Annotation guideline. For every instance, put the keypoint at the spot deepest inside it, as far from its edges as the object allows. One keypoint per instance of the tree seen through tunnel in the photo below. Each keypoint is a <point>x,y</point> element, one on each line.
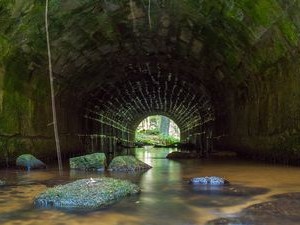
<point>159,131</point>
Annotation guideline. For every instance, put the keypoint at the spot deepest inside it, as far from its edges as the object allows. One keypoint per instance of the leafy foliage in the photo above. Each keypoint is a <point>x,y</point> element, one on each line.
<point>154,130</point>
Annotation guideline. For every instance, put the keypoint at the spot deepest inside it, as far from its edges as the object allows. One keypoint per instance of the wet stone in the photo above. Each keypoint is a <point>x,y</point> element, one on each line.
<point>221,195</point>
<point>95,161</point>
<point>28,161</point>
<point>182,155</point>
<point>86,194</point>
<point>212,180</point>
<point>291,196</point>
<point>228,190</point>
<point>282,209</point>
<point>226,221</point>
<point>127,163</point>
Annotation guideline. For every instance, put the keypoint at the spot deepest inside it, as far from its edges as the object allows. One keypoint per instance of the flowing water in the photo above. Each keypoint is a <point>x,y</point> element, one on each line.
<point>166,196</point>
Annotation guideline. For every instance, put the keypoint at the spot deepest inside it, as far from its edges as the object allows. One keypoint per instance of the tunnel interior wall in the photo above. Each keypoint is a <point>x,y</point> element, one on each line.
<point>263,119</point>
<point>25,112</point>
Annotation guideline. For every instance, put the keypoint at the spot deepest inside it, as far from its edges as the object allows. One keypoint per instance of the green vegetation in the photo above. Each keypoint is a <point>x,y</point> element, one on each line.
<point>96,161</point>
<point>157,130</point>
<point>86,193</point>
<point>127,163</point>
<point>28,162</point>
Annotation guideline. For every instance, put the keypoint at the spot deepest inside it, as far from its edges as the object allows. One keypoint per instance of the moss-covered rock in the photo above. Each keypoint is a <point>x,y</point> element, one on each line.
<point>95,161</point>
<point>2,182</point>
<point>127,163</point>
<point>28,162</point>
<point>182,155</point>
<point>86,193</point>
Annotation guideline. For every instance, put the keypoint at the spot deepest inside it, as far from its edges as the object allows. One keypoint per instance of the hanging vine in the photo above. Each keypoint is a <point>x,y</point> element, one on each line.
<point>52,93</point>
<point>149,14</point>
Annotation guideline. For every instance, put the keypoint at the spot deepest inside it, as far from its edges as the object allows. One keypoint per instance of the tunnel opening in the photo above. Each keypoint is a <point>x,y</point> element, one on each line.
<point>113,110</point>
<point>158,131</point>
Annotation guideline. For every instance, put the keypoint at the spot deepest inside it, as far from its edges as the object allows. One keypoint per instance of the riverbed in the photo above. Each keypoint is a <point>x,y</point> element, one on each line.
<point>166,198</point>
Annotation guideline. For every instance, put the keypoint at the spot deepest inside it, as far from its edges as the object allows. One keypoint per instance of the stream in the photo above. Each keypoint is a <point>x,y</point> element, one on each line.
<point>166,198</point>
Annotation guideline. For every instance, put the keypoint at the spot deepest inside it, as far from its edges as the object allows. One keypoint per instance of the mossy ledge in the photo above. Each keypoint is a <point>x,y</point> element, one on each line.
<point>86,194</point>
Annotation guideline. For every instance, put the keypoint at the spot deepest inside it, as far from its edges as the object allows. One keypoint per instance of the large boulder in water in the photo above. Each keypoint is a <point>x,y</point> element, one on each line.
<point>95,161</point>
<point>86,193</point>
<point>213,180</point>
<point>127,163</point>
<point>28,162</point>
<point>182,155</point>
<point>280,209</point>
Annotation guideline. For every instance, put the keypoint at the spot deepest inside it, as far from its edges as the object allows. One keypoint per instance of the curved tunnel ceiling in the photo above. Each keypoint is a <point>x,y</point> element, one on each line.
<point>212,48</point>
<point>151,89</point>
<point>225,43</point>
<point>218,36</point>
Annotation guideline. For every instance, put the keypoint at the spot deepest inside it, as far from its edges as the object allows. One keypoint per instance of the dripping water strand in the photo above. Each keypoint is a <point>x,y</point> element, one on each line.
<point>149,14</point>
<point>52,94</point>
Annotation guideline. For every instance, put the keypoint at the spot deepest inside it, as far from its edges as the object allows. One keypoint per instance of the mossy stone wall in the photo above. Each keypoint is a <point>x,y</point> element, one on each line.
<point>264,123</point>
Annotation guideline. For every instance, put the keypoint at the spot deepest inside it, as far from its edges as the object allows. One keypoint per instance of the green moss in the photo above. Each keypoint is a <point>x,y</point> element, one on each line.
<point>17,146</point>
<point>4,47</point>
<point>23,90</point>
<point>86,194</point>
<point>96,161</point>
<point>289,31</point>
<point>28,161</point>
<point>16,71</point>
<point>232,58</point>
<point>127,163</point>
<point>11,147</point>
<point>267,53</point>
<point>262,12</point>
<point>278,49</point>
<point>10,117</point>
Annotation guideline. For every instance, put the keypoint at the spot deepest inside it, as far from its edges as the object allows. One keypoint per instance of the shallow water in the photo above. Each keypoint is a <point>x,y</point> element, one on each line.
<point>166,196</point>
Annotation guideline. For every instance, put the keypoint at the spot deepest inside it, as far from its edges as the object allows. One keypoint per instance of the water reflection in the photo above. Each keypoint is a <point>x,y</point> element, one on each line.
<point>166,196</point>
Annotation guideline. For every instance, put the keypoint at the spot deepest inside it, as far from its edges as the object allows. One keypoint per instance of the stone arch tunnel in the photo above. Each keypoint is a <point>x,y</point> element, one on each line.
<point>149,89</point>
<point>225,68</point>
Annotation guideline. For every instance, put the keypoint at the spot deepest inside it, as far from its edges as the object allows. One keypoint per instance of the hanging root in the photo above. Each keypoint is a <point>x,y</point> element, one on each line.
<point>149,15</point>
<point>52,92</point>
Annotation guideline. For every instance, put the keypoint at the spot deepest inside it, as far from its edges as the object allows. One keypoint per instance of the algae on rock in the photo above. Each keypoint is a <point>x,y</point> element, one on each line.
<point>182,155</point>
<point>86,193</point>
<point>95,161</point>
<point>127,163</point>
<point>28,162</point>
